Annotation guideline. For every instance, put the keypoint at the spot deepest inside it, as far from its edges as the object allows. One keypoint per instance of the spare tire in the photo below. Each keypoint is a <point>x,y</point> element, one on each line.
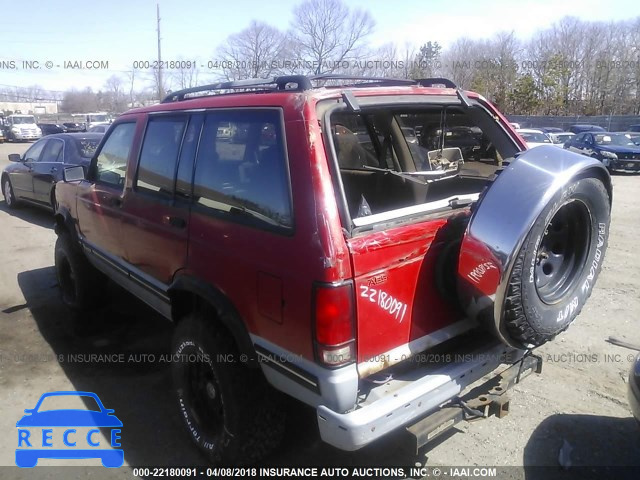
<point>534,245</point>
<point>558,264</point>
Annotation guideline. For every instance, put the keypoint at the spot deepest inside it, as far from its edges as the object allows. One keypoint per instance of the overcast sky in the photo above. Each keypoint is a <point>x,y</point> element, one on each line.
<point>122,31</point>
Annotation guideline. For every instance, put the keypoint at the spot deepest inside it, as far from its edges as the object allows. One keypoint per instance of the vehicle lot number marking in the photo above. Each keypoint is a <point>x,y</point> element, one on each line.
<point>385,301</point>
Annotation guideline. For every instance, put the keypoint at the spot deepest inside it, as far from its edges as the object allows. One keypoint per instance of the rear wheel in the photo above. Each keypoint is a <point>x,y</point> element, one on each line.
<point>229,410</point>
<point>558,264</point>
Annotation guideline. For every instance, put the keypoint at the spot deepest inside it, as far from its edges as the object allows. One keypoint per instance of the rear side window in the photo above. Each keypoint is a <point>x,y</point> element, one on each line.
<point>111,164</point>
<point>159,156</point>
<point>53,151</point>
<point>241,168</point>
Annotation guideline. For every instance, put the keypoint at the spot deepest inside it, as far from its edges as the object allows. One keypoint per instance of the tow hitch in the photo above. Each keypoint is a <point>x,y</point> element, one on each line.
<point>488,399</point>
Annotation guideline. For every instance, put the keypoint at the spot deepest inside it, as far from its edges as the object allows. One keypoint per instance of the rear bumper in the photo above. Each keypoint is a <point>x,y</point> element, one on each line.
<point>411,396</point>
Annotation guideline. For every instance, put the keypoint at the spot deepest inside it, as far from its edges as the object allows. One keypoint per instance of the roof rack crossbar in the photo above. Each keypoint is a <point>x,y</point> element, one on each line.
<point>430,82</point>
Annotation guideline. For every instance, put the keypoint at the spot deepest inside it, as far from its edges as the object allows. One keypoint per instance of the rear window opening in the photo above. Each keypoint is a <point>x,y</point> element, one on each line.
<point>415,160</point>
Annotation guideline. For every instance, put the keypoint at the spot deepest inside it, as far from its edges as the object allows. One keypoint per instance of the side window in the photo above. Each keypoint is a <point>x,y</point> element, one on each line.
<point>33,154</point>
<point>355,147</point>
<point>241,167</point>
<point>53,151</point>
<point>579,138</point>
<point>159,156</point>
<point>111,164</point>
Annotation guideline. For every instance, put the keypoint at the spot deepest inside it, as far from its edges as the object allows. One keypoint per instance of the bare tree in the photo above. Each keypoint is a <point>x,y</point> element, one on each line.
<point>329,35</point>
<point>257,51</point>
<point>79,101</point>
<point>186,75</point>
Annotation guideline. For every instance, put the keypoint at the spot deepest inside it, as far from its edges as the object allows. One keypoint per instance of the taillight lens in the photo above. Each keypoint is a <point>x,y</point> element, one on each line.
<point>334,324</point>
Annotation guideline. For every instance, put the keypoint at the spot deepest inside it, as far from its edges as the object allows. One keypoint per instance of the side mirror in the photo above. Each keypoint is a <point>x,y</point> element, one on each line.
<point>15,157</point>
<point>73,174</point>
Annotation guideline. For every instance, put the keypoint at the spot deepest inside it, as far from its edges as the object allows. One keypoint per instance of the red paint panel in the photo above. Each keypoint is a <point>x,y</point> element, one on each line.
<point>397,299</point>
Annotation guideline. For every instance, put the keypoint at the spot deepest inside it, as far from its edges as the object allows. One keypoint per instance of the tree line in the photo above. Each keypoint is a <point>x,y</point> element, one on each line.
<point>573,67</point>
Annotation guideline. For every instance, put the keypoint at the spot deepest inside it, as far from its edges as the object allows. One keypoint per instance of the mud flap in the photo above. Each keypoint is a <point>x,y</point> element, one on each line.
<point>520,203</point>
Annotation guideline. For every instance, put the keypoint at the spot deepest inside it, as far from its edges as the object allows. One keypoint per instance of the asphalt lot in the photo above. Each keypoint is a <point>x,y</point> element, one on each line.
<point>580,397</point>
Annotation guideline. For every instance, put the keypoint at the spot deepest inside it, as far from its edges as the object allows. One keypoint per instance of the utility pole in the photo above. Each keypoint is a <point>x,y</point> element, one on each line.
<point>160,85</point>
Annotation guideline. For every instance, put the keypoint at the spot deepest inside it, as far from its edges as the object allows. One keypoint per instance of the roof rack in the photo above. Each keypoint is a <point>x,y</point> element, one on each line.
<point>435,81</point>
<point>286,82</point>
<point>301,83</point>
<point>365,81</point>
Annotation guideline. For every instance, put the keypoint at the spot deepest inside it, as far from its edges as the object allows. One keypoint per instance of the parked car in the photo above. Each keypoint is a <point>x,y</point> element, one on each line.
<point>19,128</point>
<point>2,139</point>
<point>615,150</point>
<point>560,138</point>
<point>515,125</point>
<point>102,128</point>
<point>51,128</point>
<point>634,389</point>
<point>579,128</point>
<point>534,138</point>
<point>74,127</point>
<point>31,177</point>
<point>307,263</point>
<point>634,128</point>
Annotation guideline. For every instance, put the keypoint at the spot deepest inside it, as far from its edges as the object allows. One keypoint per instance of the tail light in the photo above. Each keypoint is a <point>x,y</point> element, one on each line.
<point>334,315</point>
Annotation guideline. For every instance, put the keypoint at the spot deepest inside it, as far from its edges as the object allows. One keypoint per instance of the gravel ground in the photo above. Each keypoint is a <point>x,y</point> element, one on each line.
<point>580,397</point>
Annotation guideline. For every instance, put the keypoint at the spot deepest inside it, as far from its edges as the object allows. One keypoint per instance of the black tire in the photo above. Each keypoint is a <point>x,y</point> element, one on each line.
<point>81,284</point>
<point>229,410</point>
<point>7,191</point>
<point>558,264</point>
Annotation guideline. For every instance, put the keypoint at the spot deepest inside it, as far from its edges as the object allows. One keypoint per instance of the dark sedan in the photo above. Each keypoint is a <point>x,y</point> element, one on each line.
<point>32,176</point>
<point>579,128</point>
<point>73,127</point>
<point>615,150</point>
<point>51,128</point>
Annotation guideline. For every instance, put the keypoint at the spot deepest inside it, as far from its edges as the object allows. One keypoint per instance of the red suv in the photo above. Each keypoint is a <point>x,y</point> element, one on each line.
<point>327,237</point>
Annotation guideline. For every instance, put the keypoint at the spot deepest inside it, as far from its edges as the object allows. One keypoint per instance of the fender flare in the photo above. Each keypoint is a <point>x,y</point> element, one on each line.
<point>502,219</point>
<point>64,221</point>
<point>225,310</point>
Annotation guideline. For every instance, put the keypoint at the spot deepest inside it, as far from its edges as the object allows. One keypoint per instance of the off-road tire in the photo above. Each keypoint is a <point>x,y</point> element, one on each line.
<point>533,315</point>
<point>229,410</point>
<point>81,284</point>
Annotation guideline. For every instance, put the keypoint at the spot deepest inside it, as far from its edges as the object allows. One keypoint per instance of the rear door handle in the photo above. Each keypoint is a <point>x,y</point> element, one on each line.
<point>53,169</point>
<point>176,222</point>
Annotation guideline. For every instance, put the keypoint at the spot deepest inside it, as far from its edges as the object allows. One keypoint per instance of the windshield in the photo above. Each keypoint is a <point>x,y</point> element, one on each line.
<point>98,118</point>
<point>617,139</point>
<point>23,120</point>
<point>534,137</point>
<point>87,146</point>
